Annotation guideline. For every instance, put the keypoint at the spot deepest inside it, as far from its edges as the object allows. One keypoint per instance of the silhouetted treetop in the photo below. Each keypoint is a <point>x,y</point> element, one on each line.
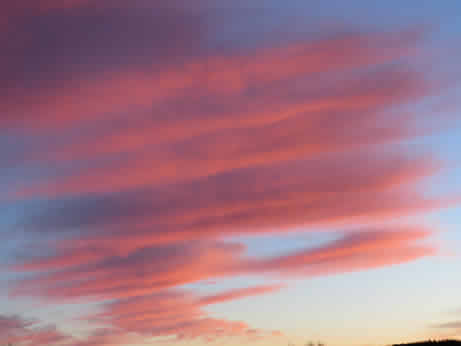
<point>432,343</point>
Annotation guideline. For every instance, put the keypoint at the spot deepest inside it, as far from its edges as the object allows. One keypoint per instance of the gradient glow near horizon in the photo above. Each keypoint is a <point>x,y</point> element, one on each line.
<point>229,173</point>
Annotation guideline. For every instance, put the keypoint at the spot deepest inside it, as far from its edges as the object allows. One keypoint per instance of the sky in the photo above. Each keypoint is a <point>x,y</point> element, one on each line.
<point>229,172</point>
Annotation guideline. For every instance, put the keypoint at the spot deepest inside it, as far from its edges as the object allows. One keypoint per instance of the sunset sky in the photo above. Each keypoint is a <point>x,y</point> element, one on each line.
<point>247,172</point>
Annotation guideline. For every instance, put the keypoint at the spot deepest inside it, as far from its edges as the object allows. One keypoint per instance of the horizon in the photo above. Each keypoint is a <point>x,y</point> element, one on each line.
<point>216,173</point>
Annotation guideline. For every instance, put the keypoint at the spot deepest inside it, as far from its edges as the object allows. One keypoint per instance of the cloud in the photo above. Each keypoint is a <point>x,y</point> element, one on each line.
<point>11,323</point>
<point>135,87</point>
<point>170,313</point>
<point>166,313</point>
<point>330,191</point>
<point>146,149</point>
<point>156,268</point>
<point>302,115</point>
<point>355,251</point>
<point>16,330</point>
<point>108,337</point>
<point>450,325</point>
<point>449,329</point>
<point>331,126</point>
<point>239,293</point>
<point>144,288</point>
<point>52,42</point>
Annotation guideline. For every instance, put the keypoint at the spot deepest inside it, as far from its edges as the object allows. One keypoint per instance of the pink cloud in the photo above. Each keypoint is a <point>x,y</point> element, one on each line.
<point>152,152</point>
<point>108,337</point>
<point>97,98</point>
<point>253,201</point>
<point>157,268</point>
<point>170,313</point>
<point>357,251</point>
<point>239,293</point>
<point>16,330</point>
<point>144,286</point>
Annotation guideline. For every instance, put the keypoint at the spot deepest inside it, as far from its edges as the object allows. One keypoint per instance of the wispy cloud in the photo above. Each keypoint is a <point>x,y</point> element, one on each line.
<point>16,330</point>
<point>239,293</point>
<point>450,325</point>
<point>154,268</point>
<point>448,329</point>
<point>143,284</point>
<point>153,149</point>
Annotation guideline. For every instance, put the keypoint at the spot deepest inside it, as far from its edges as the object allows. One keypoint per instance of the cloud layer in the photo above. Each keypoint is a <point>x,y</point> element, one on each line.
<point>145,150</point>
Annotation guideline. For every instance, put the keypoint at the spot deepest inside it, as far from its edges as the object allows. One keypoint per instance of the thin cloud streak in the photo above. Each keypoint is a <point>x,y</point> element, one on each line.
<point>238,294</point>
<point>450,325</point>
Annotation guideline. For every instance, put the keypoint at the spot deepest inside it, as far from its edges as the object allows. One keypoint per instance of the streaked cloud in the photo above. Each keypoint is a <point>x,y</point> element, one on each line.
<point>151,151</point>
<point>239,293</point>
<point>450,325</point>
<point>450,329</point>
<point>167,266</point>
<point>16,330</point>
<point>143,285</point>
